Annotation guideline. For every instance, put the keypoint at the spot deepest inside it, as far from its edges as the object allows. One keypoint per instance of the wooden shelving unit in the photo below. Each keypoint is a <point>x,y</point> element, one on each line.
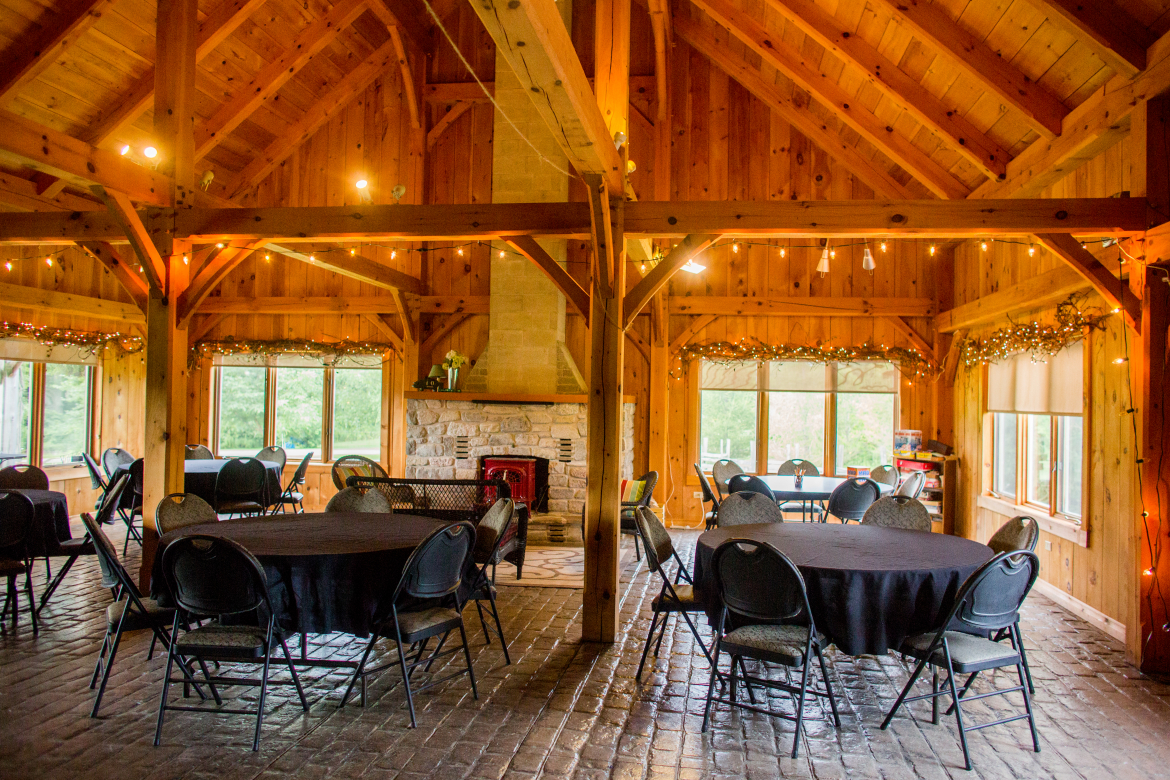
<point>942,480</point>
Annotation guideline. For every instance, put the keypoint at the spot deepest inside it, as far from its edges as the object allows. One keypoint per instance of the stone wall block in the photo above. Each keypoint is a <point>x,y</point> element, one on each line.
<point>427,416</point>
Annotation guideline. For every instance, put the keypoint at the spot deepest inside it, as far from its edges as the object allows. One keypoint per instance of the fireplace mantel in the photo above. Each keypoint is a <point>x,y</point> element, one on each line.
<point>507,398</point>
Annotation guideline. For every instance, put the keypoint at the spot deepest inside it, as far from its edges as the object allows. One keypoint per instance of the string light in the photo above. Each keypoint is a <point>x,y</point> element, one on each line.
<point>125,150</point>
<point>85,341</point>
<point>150,152</point>
<point>352,252</point>
<point>330,352</point>
<point>932,250</point>
<point>185,262</point>
<point>501,253</point>
<point>909,361</point>
<point>735,248</point>
<point>267,258</point>
<point>459,251</point>
<point>1031,250</point>
<point>883,246</point>
<point>49,261</point>
<point>1035,338</point>
<point>983,246</point>
<point>1119,360</point>
<point>782,252</point>
<point>393,253</point>
<point>312,258</point>
<point>219,245</point>
<point>8,266</point>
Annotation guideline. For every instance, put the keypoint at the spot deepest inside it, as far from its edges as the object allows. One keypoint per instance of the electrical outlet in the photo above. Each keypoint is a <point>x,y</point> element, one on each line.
<point>1047,545</point>
<point>697,494</point>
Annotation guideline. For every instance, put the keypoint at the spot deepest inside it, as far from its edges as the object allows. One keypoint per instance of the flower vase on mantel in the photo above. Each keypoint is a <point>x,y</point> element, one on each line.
<point>452,379</point>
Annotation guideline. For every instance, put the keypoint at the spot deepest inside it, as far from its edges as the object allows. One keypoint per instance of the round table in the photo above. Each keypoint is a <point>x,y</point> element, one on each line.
<point>199,478</point>
<point>869,587</point>
<point>50,525</point>
<point>811,488</point>
<point>326,572</point>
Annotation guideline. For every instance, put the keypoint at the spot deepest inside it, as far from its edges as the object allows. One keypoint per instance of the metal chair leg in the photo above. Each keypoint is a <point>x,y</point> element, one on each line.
<point>358,672</point>
<point>406,677</point>
<point>467,657</point>
<point>162,704</point>
<point>646,646</point>
<point>800,706</point>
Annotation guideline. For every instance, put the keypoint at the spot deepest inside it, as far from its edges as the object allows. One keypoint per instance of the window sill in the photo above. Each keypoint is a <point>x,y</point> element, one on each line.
<point>64,472</point>
<point>1065,529</point>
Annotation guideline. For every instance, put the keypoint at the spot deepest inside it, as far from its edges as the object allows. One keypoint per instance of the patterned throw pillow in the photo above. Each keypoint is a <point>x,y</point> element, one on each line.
<point>632,490</point>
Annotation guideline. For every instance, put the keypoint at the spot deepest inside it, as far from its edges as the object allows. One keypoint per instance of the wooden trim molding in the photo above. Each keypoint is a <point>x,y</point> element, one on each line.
<point>1065,529</point>
<point>1093,617</point>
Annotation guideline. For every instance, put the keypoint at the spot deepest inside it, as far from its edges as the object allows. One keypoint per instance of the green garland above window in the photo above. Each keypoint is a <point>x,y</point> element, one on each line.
<point>325,351</point>
<point>909,361</point>
<point>1035,338</point>
<point>88,342</point>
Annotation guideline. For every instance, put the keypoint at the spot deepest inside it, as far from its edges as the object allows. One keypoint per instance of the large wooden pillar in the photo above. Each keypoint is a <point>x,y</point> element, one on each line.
<point>1149,645</point>
<point>166,341</point>
<point>606,366</point>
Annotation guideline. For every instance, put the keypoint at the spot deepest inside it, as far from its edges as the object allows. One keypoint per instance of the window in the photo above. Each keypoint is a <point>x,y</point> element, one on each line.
<point>1037,435</point>
<point>763,414</point>
<point>328,412</point>
<point>45,411</point>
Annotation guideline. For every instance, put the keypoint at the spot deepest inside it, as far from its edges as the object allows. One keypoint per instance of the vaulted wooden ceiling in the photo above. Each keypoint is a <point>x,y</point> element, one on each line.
<point>950,99</point>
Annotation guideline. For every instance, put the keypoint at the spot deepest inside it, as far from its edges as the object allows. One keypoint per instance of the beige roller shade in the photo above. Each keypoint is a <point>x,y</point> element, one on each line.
<point>1055,386</point>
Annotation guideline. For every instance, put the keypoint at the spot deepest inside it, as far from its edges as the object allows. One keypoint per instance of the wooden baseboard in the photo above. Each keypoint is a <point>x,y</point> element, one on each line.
<point>1093,617</point>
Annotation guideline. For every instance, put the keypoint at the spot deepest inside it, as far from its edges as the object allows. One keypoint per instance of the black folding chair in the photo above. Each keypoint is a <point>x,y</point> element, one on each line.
<point>23,476</point>
<point>239,488</point>
<point>747,483</point>
<point>851,498</point>
<point>489,535</point>
<point>275,455</point>
<point>135,510</point>
<point>112,458</point>
<point>16,519</point>
<point>433,572</point>
<point>627,509</point>
<point>96,480</point>
<point>989,601</point>
<point>709,497</point>
<point>292,496</point>
<point>765,616</point>
<point>198,452</point>
<point>210,577</point>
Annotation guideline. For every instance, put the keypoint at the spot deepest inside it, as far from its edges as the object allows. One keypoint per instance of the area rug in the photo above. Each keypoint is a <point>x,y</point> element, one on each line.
<point>551,567</point>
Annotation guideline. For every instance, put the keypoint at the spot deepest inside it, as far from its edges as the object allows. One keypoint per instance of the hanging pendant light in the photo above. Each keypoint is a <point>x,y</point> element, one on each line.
<point>867,260</point>
<point>823,266</point>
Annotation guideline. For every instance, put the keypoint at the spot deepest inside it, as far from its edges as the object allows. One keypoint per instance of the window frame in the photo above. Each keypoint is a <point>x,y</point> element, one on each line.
<point>36,422</point>
<point>1022,498</point>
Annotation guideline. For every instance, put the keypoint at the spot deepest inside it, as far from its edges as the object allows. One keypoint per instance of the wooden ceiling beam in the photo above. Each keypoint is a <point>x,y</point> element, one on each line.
<point>1106,28</point>
<point>691,330</point>
<point>916,340</point>
<point>453,322</point>
<point>659,275</point>
<point>409,94</point>
<point>928,22</point>
<point>355,267</point>
<point>451,304</point>
<point>574,293</point>
<point>131,281</point>
<point>383,325</point>
<point>367,304</point>
<point>351,85</point>
<point>21,194</point>
<point>446,121</point>
<point>276,74</point>
<point>141,242</point>
<point>221,262</point>
<point>406,316</point>
<point>970,142</point>
<point>1037,292</point>
<point>814,306</point>
<point>723,56</point>
<point>533,39</point>
<point>416,27</point>
<point>53,302</point>
<point>213,31</point>
<point>775,52</point>
<point>59,28</point>
<point>1115,291</point>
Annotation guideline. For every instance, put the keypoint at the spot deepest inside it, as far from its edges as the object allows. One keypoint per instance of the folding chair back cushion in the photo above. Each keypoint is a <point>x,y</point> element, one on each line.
<point>746,483</point>
<point>723,470</point>
<point>887,475</point>
<point>353,499</point>
<point>211,576</point>
<point>789,468</point>
<point>96,480</point>
<point>241,479</point>
<point>114,457</point>
<point>1019,533</point>
<point>355,466</point>
<point>898,512</point>
<point>991,598</point>
<point>708,493</point>
<point>912,487</point>
<point>659,547</point>
<point>198,452</point>
<point>299,474</point>
<point>23,476</point>
<point>435,568</point>
<point>851,498</point>
<point>743,508</point>
<point>491,529</point>
<point>273,455</point>
<point>137,469</point>
<point>179,510</point>
<point>16,516</point>
<point>758,582</point>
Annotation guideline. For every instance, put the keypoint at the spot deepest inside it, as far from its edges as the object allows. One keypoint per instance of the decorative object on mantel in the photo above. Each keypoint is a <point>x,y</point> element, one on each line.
<point>909,361</point>
<point>1036,338</point>
<point>88,342</point>
<point>452,362</point>
<point>328,352</point>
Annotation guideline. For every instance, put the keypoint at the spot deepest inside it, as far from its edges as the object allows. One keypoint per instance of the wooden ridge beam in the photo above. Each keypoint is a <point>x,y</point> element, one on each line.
<point>688,333</point>
<point>213,31</point>
<point>776,53</point>
<point>356,267</point>
<point>453,322</point>
<point>1106,28</point>
<point>141,242</point>
<point>53,302</point>
<point>533,39</point>
<point>60,27</point>
<point>48,151</point>
<point>719,50</point>
<point>812,306</point>
<point>928,22</point>
<point>574,293</point>
<point>351,85</point>
<point>1115,291</point>
<point>216,267</point>
<point>133,283</point>
<point>1037,292</point>
<point>919,343</point>
<point>948,123</point>
<point>686,251</point>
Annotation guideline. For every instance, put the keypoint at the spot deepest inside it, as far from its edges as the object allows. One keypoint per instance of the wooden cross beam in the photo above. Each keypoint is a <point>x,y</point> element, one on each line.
<point>356,267</point>
<point>54,302</point>
<point>1037,292</point>
<point>221,262</point>
<point>1115,291</point>
<point>131,282</point>
<point>129,221</point>
<point>575,294</point>
<point>659,275</point>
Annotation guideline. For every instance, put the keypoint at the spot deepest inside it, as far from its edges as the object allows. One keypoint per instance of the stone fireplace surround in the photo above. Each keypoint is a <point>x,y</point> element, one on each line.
<point>445,438</point>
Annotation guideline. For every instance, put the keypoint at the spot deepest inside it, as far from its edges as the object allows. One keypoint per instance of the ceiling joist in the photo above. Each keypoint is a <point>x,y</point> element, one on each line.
<point>1107,29</point>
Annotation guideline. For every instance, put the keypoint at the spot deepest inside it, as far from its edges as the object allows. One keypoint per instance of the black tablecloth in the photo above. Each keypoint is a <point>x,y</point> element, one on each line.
<point>326,572</point>
<point>50,524</point>
<point>811,488</point>
<point>869,587</point>
<point>199,478</point>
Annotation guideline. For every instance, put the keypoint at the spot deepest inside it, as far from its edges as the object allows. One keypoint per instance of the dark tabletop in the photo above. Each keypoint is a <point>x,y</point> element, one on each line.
<point>326,571</point>
<point>50,524</point>
<point>811,489</point>
<point>869,587</point>
<point>200,475</point>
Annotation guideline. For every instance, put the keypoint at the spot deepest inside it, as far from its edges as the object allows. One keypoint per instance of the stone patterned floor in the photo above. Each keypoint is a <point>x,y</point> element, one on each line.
<point>564,709</point>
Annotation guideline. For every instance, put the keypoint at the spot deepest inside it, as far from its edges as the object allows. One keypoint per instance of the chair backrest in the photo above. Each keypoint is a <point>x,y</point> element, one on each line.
<point>355,466</point>
<point>913,485</point>
<point>708,493</point>
<point>96,480</point>
<point>16,516</point>
<point>650,478</point>
<point>851,498</point>
<point>114,457</point>
<point>990,599</point>
<point>489,533</point>
<point>744,508</point>
<point>23,476</point>
<point>435,568</point>
<point>898,512</point>
<point>655,539</point>
<point>353,499</point>
<point>1019,533</point>
<point>179,510</point>
<point>275,455</point>
<point>113,572</point>
<point>112,498</point>
<point>746,483</point>
<point>756,581</point>
<point>241,478</point>
<point>198,452</point>
<point>210,575</point>
<point>888,475</point>
<point>136,479</point>
<point>299,474</point>
<point>723,470</point>
<point>789,467</point>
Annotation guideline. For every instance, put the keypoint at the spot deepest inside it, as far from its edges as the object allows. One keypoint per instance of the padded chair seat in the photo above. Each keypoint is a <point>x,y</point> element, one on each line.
<point>80,546</point>
<point>226,641</point>
<point>426,622</point>
<point>293,498</point>
<point>155,615</point>
<point>687,600</point>
<point>10,568</point>
<point>778,644</point>
<point>231,507</point>
<point>969,653</point>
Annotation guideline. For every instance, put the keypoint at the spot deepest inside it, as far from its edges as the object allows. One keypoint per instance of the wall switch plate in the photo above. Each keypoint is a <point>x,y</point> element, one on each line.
<point>697,494</point>
<point>1047,545</point>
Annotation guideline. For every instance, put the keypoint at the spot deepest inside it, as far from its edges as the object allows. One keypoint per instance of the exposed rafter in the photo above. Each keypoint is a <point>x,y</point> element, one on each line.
<point>21,194</point>
<point>659,275</point>
<point>357,267</point>
<point>1046,289</point>
<point>132,282</point>
<point>575,294</point>
<point>724,56</point>
<point>409,93</point>
<point>453,322</point>
<point>221,262</point>
<point>445,121</point>
<point>1115,291</point>
<point>382,323</point>
<point>690,331</point>
<point>130,223</point>
<point>1106,28</point>
<point>67,303</point>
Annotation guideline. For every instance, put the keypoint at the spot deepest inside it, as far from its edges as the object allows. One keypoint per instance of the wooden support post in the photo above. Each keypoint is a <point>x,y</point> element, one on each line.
<point>659,402</point>
<point>394,417</point>
<point>603,494</point>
